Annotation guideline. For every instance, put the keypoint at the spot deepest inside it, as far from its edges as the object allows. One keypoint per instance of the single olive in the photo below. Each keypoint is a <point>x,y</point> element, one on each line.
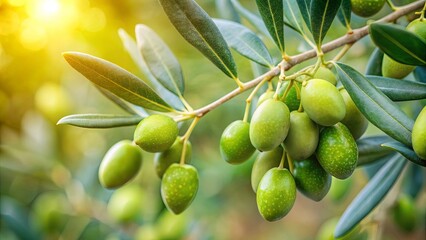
<point>394,69</point>
<point>311,179</point>
<point>156,133</point>
<point>325,73</point>
<point>265,96</point>
<point>172,155</point>
<point>276,194</point>
<point>269,125</point>
<point>322,102</point>
<point>179,187</point>
<point>291,100</point>
<point>302,138</point>
<point>405,213</point>
<point>235,144</point>
<point>120,164</point>
<point>366,8</point>
<point>354,120</point>
<point>49,211</point>
<point>337,151</point>
<point>263,162</point>
<point>125,204</point>
<point>418,27</point>
<point>419,134</point>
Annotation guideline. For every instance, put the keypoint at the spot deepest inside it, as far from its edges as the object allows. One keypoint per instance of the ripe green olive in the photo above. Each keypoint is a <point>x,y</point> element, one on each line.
<point>366,8</point>
<point>394,69</point>
<point>49,211</point>
<point>276,194</point>
<point>354,120</point>
<point>418,136</point>
<point>265,96</point>
<point>263,162</point>
<point>269,125</point>
<point>311,179</point>
<point>291,99</point>
<point>172,155</point>
<point>302,138</point>
<point>418,27</point>
<point>156,133</point>
<point>179,187</point>
<point>404,213</point>
<point>235,144</point>
<point>120,164</point>
<point>337,151</point>
<point>322,102</point>
<point>324,73</point>
<point>125,204</point>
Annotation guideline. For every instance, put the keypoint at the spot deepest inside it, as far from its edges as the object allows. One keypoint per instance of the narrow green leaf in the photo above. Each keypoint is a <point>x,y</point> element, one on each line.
<point>226,10</point>
<point>322,15</point>
<point>399,44</point>
<point>196,26</point>
<point>374,65</point>
<point>272,13</point>
<point>370,196</point>
<point>420,74</point>
<point>304,7</point>
<point>244,41</point>
<point>100,120</point>
<point>116,80</point>
<point>252,18</point>
<point>134,52</point>
<point>370,150</point>
<point>375,105</point>
<point>413,182</point>
<point>160,59</point>
<point>293,15</point>
<point>128,107</point>
<point>399,90</point>
<point>405,151</point>
<point>344,13</point>
<point>372,168</point>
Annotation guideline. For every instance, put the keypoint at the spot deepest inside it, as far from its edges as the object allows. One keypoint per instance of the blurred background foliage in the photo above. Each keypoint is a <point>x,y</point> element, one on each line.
<point>48,173</point>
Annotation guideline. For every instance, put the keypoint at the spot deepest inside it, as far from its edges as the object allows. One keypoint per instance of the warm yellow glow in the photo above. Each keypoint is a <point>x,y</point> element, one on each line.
<point>33,36</point>
<point>44,10</point>
<point>16,3</point>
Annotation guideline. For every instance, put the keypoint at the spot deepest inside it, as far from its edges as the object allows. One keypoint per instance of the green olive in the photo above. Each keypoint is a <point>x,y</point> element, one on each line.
<point>125,204</point>
<point>269,125</point>
<point>354,120</point>
<point>322,102</point>
<point>302,138</point>
<point>291,100</point>
<point>418,27</point>
<point>325,73</point>
<point>419,134</point>
<point>172,155</point>
<point>265,96</point>
<point>276,194</point>
<point>263,162</point>
<point>405,213</point>
<point>394,69</point>
<point>179,187</point>
<point>120,164</point>
<point>49,211</point>
<point>311,179</point>
<point>366,8</point>
<point>235,144</point>
<point>156,133</point>
<point>337,151</point>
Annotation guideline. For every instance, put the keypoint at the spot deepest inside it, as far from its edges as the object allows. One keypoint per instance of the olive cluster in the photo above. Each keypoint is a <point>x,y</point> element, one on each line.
<point>305,134</point>
<point>156,134</point>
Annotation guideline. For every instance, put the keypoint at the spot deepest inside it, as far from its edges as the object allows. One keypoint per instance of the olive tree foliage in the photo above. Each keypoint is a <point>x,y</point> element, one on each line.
<point>162,90</point>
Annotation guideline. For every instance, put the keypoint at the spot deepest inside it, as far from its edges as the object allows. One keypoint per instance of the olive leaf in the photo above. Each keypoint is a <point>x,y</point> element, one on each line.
<point>372,168</point>
<point>398,90</point>
<point>370,196</point>
<point>116,80</point>
<point>420,73</point>
<point>374,64</point>
<point>134,52</point>
<point>128,107</point>
<point>405,151</point>
<point>196,26</point>
<point>375,105</point>
<point>344,13</point>
<point>413,181</point>
<point>399,44</point>
<point>100,120</point>
<point>272,14</point>
<point>227,10</point>
<point>160,59</point>
<point>293,15</point>
<point>244,41</point>
<point>252,18</point>
<point>304,7</point>
<point>370,150</point>
<point>322,15</point>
